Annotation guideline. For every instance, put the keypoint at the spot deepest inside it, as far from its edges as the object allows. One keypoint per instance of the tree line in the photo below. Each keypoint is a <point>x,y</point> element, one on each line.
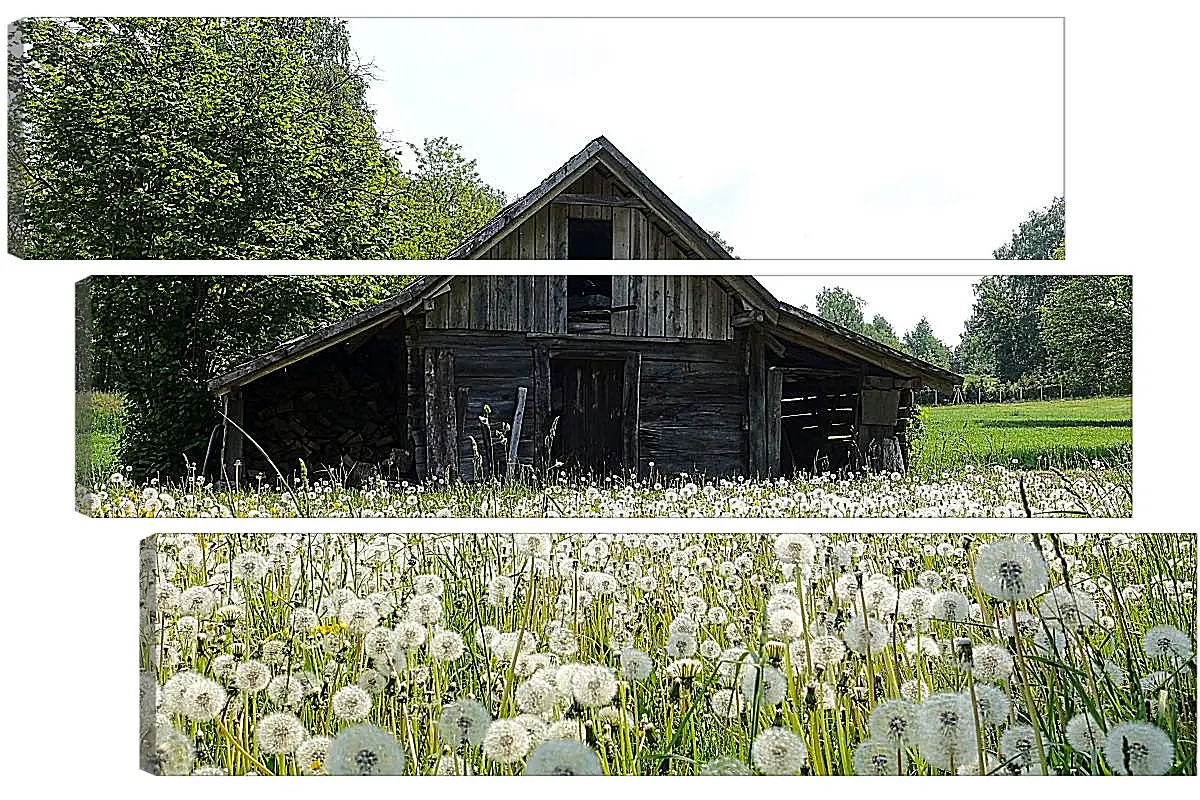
<point>1025,331</point>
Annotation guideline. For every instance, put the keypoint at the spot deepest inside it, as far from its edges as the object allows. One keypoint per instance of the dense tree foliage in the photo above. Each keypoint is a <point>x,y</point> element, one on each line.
<point>1039,236</point>
<point>218,138</point>
<point>1071,329</point>
<point>159,339</point>
<point>922,343</point>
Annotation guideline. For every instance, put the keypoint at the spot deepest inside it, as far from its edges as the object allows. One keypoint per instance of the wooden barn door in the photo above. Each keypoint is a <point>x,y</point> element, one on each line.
<point>593,429</point>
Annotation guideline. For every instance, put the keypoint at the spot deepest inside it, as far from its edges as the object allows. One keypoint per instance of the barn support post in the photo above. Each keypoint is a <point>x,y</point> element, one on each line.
<point>631,411</point>
<point>232,441</point>
<point>774,420</point>
<point>542,445</point>
<point>757,411</point>
<point>514,439</point>
<point>441,424</point>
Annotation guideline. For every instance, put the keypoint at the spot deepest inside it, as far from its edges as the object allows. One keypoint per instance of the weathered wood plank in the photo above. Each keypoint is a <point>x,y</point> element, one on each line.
<point>541,242</point>
<point>612,201</point>
<point>558,232</point>
<point>541,409</point>
<point>621,224</point>
<point>774,421</point>
<point>620,297</point>
<point>441,437</point>
<point>481,301</point>
<point>514,439</point>
<point>677,305</point>
<point>631,411</point>
<point>757,406</point>
<point>539,304</point>
<point>697,306</point>
<point>656,311</point>
<point>636,325</point>
<point>504,308</point>
<point>458,308</point>
<point>557,300</point>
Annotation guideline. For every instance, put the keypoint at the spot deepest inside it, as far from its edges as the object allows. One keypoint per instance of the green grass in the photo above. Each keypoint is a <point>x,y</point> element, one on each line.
<point>1059,433</point>
<point>99,428</point>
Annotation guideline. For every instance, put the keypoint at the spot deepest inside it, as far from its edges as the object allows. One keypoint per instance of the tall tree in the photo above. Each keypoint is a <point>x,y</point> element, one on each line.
<point>1004,328</point>
<point>882,331</point>
<point>1087,328</point>
<point>841,307</point>
<point>1039,236</point>
<point>444,200</point>
<point>923,344</point>
<point>199,138</point>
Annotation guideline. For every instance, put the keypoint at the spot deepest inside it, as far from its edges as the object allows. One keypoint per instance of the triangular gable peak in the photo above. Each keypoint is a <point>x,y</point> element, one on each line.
<point>598,205</point>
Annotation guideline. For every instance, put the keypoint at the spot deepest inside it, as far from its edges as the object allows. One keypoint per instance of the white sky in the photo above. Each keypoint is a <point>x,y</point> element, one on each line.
<point>945,299</point>
<point>795,138</point>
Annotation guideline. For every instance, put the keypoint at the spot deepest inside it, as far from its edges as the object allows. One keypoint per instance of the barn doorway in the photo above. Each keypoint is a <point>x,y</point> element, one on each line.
<point>588,397</point>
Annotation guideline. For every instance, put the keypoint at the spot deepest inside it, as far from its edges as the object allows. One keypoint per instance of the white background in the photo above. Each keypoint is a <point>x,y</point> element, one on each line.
<point>69,717</point>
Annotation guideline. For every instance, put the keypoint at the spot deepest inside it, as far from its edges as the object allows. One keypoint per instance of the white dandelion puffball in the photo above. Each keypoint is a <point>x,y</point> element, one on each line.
<point>866,635</point>
<point>1085,733</point>
<point>506,741</point>
<point>1138,748</point>
<point>593,685</point>
<point>536,696</point>
<point>365,749</point>
<point>765,685</point>
<point>446,646</point>
<point>991,663</point>
<point>1010,570</point>
<point>351,703</point>
<point>311,755</point>
<point>203,700</point>
<point>875,757</point>
<point>946,729</point>
<point>1018,745</point>
<point>251,676</point>
<point>778,751</point>
<point>563,757</point>
<point>893,721</point>
<point>1167,641</point>
<point>795,548</point>
<point>993,704</point>
<point>950,606</point>
<point>635,665</point>
<point>464,722</point>
<point>279,733</point>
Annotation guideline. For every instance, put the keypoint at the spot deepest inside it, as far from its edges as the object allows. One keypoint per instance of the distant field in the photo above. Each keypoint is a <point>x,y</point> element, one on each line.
<point>1059,433</point>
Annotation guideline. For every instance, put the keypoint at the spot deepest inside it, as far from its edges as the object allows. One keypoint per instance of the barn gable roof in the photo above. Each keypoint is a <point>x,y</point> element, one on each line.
<point>781,320</point>
<point>598,151</point>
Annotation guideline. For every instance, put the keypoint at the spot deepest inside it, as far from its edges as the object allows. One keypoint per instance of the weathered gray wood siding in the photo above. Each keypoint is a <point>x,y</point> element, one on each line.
<point>636,233</point>
<point>675,306</point>
<point>671,306</point>
<point>526,303</point>
<point>692,404</point>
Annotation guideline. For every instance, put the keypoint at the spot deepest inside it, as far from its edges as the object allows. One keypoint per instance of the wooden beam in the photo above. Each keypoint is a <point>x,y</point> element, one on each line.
<point>597,200</point>
<point>774,420</point>
<point>747,317</point>
<point>514,439</point>
<point>631,411</point>
<point>541,410</point>
<point>757,405</point>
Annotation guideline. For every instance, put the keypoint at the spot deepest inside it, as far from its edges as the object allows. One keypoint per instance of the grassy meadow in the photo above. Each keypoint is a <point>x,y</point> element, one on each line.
<point>681,654</point>
<point>1037,435</point>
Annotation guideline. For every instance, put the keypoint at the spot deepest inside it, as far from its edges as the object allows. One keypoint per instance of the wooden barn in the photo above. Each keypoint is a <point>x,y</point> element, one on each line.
<point>602,374</point>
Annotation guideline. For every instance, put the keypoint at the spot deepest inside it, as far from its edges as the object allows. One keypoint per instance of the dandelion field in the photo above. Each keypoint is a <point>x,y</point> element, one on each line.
<point>644,654</point>
<point>967,492</point>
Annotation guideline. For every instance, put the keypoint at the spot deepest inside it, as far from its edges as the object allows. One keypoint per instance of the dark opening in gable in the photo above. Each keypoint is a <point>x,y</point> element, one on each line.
<point>589,239</point>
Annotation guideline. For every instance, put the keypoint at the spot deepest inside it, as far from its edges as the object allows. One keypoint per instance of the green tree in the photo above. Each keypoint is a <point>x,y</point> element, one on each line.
<point>444,200</point>
<point>1087,329</point>
<point>923,344</point>
<point>882,331</point>
<point>1004,332</point>
<point>841,307</point>
<point>166,336</point>
<point>1039,236</point>
<point>218,138</point>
